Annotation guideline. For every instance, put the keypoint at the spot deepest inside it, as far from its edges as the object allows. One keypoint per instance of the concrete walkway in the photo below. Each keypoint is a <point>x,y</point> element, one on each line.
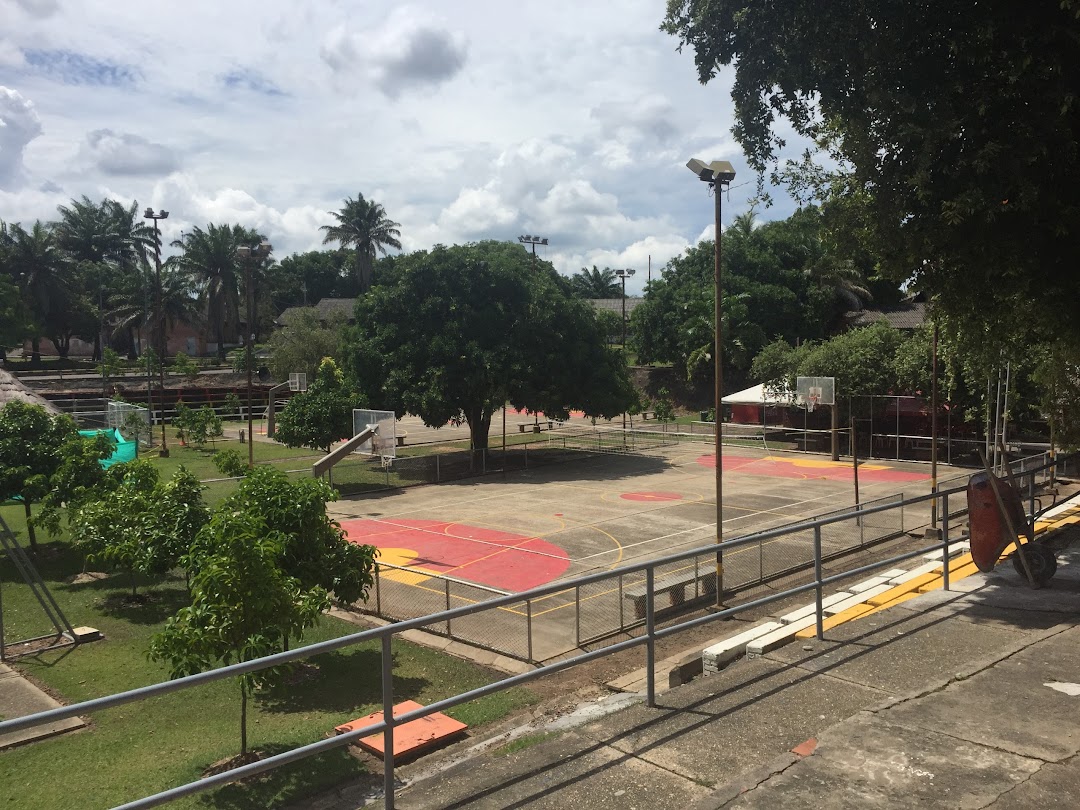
<point>966,698</point>
<point>18,698</point>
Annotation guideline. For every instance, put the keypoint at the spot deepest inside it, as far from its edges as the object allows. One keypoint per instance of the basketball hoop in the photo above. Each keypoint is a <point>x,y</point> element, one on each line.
<point>813,397</point>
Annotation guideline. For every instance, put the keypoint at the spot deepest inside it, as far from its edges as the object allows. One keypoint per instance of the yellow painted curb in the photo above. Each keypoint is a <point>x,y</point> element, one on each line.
<point>832,621</point>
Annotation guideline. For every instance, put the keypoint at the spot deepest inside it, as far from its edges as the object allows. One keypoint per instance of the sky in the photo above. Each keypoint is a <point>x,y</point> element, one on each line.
<point>467,120</point>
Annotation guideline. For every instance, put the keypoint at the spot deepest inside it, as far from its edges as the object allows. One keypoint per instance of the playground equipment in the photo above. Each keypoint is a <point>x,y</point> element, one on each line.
<point>997,520</point>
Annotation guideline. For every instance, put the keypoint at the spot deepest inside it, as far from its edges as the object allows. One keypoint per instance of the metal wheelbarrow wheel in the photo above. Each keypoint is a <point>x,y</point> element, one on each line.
<point>1042,560</point>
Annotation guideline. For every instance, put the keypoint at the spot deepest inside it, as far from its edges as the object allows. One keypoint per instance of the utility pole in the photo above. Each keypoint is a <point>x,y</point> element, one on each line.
<point>149,214</point>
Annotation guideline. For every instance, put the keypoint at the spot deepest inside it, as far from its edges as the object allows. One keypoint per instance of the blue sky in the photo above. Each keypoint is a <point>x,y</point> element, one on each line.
<point>467,121</point>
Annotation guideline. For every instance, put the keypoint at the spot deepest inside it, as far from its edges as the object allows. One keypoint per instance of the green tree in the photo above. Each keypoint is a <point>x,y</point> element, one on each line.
<point>303,341</point>
<point>322,415</point>
<point>141,526</point>
<point>41,268</point>
<point>304,279</point>
<point>209,257</point>
<point>363,225</point>
<point>454,333</point>
<point>243,604</point>
<point>314,548</point>
<point>31,451</point>
<point>596,283</point>
<point>953,134</point>
<point>184,366</point>
<point>78,478</point>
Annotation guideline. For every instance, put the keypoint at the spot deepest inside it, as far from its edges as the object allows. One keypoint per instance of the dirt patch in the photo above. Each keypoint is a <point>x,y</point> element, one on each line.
<point>232,763</point>
<point>87,577</point>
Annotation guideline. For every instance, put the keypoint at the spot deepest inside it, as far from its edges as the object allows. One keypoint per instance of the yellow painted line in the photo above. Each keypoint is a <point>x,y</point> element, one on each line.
<point>894,602</point>
<point>833,621</point>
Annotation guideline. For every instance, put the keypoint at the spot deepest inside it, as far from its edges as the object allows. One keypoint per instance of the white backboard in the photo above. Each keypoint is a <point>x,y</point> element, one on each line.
<point>813,391</point>
<point>298,382</point>
<point>385,442</point>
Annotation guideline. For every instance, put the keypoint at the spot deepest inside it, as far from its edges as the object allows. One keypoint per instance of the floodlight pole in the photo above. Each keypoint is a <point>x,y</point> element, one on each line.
<point>934,428</point>
<point>529,239</point>
<point>718,175</point>
<point>624,274</point>
<point>149,214</point>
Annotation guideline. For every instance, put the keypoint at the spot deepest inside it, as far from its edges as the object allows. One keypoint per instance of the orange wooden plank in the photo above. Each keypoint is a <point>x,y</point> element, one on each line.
<point>410,738</point>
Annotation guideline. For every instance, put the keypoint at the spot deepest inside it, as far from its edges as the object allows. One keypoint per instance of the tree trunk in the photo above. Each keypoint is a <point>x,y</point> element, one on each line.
<point>363,269</point>
<point>35,353</point>
<point>479,420</point>
<point>243,717</point>
<point>221,342</point>
<point>63,345</point>
<point>30,527</point>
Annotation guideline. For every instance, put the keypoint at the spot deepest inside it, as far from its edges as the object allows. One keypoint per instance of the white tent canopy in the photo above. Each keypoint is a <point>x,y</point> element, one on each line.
<point>757,395</point>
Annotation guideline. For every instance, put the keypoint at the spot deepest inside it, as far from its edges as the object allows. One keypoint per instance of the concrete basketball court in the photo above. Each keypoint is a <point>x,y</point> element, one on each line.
<point>529,528</point>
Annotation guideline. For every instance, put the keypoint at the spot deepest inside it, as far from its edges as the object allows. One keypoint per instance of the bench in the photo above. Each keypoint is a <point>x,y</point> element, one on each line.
<point>674,586</point>
<point>536,427</point>
<point>647,415</point>
<point>401,439</point>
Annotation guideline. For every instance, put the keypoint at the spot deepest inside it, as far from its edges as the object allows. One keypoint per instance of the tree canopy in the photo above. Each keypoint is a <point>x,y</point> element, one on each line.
<point>363,225</point>
<point>322,415</point>
<point>953,129</point>
<point>453,333</point>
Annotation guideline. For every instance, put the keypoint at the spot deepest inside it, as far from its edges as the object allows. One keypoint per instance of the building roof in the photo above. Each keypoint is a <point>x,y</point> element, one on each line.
<point>11,389</point>
<point>908,315</point>
<point>757,395</point>
<point>616,304</point>
<point>327,309</point>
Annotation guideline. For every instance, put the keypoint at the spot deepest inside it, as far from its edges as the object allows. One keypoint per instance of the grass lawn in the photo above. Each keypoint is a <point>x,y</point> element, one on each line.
<point>134,750</point>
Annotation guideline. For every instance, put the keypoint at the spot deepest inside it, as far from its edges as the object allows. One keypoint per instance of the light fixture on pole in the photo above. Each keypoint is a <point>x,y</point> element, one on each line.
<point>250,256</point>
<point>149,214</point>
<point>718,175</point>
<point>624,275</point>
<point>529,239</point>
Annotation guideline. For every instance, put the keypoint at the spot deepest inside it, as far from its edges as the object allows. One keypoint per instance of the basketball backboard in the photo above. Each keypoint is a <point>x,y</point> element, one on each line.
<point>298,382</point>
<point>813,391</point>
<point>384,444</point>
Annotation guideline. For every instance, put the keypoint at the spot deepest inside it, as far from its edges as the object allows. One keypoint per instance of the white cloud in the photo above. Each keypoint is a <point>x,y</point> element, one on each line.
<point>19,124</point>
<point>39,8</point>
<point>124,154</point>
<point>407,51</point>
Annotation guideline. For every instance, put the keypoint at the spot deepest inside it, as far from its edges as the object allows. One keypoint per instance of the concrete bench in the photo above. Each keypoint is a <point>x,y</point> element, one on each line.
<point>674,586</point>
<point>646,415</point>
<point>401,439</point>
<point>536,427</point>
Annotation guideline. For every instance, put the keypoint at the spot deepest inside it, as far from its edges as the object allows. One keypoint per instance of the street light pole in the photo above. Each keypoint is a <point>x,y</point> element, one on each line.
<point>624,274</point>
<point>249,256</point>
<point>529,239</point>
<point>718,175</point>
<point>149,214</point>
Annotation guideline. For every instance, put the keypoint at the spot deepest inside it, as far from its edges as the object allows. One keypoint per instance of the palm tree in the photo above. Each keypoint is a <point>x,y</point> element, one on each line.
<point>595,283</point>
<point>40,268</point>
<point>843,281</point>
<point>209,259</point>
<point>363,225</point>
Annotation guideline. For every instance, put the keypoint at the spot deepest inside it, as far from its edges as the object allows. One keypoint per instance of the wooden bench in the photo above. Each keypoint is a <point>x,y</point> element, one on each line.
<point>525,427</point>
<point>401,439</point>
<point>674,586</point>
<point>646,415</point>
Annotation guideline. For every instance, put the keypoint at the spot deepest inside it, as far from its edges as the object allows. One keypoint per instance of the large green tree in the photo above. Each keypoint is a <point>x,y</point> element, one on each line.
<point>951,132</point>
<point>209,256</point>
<point>453,333</point>
<point>303,341</point>
<point>363,225</point>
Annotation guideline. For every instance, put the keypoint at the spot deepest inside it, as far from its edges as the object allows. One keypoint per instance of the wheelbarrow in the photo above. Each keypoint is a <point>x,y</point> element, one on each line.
<point>996,520</point>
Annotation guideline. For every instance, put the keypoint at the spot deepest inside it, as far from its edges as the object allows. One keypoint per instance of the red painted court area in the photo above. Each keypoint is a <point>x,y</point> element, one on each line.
<point>509,562</point>
<point>780,467</point>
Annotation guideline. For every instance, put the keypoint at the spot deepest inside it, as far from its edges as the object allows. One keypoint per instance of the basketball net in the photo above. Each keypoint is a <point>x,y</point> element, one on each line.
<point>812,399</point>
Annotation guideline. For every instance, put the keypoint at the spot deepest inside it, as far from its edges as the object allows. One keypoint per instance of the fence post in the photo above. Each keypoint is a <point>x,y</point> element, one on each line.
<point>378,591</point>
<point>437,479</point>
<point>622,618</point>
<point>1031,500</point>
<point>817,577</point>
<point>650,643</point>
<point>945,540</point>
<point>577,615</point>
<point>446,586</point>
<point>528,629</point>
<point>388,718</point>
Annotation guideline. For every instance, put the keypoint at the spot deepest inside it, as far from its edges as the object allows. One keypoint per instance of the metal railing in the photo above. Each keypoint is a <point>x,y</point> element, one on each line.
<point>650,574</point>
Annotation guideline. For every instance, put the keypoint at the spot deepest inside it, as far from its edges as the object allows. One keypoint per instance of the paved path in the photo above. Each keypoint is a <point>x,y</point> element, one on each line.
<point>18,698</point>
<point>967,698</point>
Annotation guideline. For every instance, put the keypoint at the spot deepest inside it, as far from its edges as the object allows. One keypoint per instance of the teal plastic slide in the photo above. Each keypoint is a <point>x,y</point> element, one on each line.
<point>126,450</point>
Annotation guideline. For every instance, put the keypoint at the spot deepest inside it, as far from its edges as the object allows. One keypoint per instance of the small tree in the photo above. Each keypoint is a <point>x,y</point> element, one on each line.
<point>232,404</point>
<point>184,366</point>
<point>31,451</point>
<point>111,364</point>
<point>322,415</point>
<point>205,425</point>
<point>664,407</point>
<point>78,479</point>
<point>183,420</point>
<point>229,462</point>
<point>142,526</point>
<point>243,604</point>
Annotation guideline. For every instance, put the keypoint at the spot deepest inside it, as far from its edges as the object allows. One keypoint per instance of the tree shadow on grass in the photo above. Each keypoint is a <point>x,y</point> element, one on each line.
<point>291,783</point>
<point>151,606</point>
<point>343,680</point>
